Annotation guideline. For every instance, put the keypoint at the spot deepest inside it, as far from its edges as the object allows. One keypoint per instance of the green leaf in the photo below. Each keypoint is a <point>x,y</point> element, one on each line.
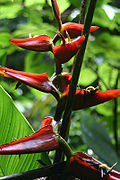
<point>4,40</point>
<point>2,57</point>
<point>85,73</point>
<point>14,125</point>
<point>95,135</point>
<point>10,10</point>
<point>39,63</point>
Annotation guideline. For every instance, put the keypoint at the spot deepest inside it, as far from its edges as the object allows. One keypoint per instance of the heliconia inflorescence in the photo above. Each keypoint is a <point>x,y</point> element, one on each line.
<point>79,165</point>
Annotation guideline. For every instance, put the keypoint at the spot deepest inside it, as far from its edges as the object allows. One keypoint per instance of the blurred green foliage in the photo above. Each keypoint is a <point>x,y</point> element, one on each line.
<point>18,19</point>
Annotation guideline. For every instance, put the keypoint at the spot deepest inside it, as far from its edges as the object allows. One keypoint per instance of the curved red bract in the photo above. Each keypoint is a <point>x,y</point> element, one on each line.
<point>84,99</point>
<point>75,29</point>
<point>40,141</point>
<point>63,53</point>
<point>40,43</point>
<point>37,81</point>
<point>83,166</point>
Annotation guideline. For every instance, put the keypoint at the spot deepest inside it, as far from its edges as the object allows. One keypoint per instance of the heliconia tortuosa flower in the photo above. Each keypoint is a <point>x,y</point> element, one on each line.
<point>40,141</point>
<point>87,98</point>
<point>62,81</point>
<point>37,81</point>
<point>84,166</point>
<point>40,43</point>
<point>63,53</point>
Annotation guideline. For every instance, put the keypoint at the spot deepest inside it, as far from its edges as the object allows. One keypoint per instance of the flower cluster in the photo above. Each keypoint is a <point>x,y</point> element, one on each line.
<point>58,85</point>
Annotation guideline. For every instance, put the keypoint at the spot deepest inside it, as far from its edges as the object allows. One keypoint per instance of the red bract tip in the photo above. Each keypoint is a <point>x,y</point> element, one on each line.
<point>40,141</point>
<point>63,53</point>
<point>40,43</point>
<point>37,81</point>
<point>84,99</point>
<point>56,10</point>
<point>46,121</point>
<point>84,166</point>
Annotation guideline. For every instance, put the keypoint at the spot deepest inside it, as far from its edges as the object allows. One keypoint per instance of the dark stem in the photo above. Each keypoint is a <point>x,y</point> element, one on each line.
<point>82,11</point>
<point>50,170</point>
<point>64,132</point>
<point>82,19</point>
<point>59,68</point>
<point>115,118</point>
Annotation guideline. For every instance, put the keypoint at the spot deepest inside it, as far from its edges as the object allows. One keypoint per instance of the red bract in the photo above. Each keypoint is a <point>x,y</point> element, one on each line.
<point>74,29</point>
<point>84,98</point>
<point>37,81</point>
<point>84,166</point>
<point>40,141</point>
<point>40,43</point>
<point>63,53</point>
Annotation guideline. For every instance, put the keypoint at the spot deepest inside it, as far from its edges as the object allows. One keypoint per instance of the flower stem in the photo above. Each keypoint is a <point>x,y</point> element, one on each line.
<point>58,68</point>
<point>64,132</point>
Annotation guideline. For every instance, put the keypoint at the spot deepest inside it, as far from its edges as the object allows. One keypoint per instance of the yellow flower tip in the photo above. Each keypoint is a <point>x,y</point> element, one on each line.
<point>103,166</point>
<point>68,37</point>
<point>90,88</point>
<point>112,167</point>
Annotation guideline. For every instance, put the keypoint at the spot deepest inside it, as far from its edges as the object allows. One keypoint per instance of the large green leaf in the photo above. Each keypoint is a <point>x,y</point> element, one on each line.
<point>95,135</point>
<point>14,125</point>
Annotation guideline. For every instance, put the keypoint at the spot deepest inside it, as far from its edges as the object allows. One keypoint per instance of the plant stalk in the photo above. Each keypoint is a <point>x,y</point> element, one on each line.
<point>64,132</point>
<point>82,11</point>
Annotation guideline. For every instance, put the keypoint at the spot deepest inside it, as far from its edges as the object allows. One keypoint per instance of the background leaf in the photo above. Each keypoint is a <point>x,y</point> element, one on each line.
<point>95,135</point>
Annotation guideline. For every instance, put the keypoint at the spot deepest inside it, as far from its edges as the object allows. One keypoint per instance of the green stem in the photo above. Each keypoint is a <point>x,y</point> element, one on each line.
<point>64,132</point>
<point>65,147</point>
